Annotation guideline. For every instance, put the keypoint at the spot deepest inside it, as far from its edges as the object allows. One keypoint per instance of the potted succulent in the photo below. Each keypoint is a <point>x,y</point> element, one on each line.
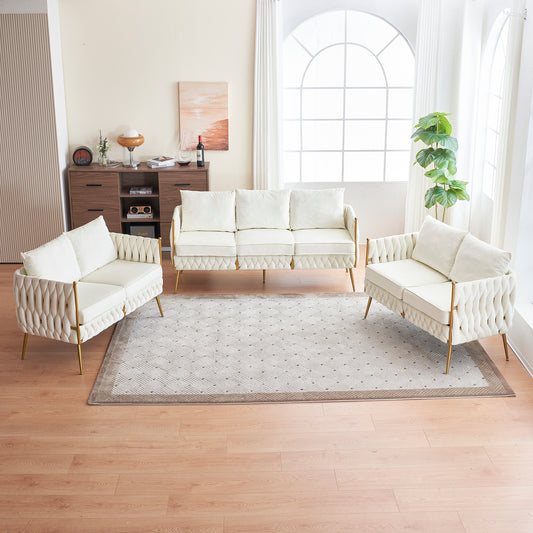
<point>434,130</point>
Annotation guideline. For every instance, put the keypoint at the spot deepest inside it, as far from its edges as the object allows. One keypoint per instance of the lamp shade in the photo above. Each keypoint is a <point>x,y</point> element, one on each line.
<point>130,141</point>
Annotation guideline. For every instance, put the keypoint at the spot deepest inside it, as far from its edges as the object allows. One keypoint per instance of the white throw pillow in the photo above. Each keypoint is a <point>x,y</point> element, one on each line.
<point>208,210</point>
<point>478,260</point>
<point>437,245</point>
<point>54,260</point>
<point>262,209</point>
<point>93,245</point>
<point>312,209</point>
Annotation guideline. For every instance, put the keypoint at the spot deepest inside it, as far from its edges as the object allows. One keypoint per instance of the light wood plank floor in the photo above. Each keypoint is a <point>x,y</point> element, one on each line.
<point>388,466</point>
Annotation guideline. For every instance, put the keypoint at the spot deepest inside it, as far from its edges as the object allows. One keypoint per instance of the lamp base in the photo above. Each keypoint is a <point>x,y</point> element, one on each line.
<point>132,164</point>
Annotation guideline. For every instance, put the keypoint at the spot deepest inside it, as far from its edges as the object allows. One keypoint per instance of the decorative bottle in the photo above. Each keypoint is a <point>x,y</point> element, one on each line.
<point>200,152</point>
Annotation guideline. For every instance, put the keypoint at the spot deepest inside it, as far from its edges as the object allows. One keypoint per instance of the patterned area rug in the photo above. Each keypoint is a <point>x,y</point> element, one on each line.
<point>276,348</point>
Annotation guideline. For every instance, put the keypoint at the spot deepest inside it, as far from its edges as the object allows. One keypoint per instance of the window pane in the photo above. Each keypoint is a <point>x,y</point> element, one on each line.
<point>363,69</point>
<point>489,178</point>
<point>399,134</point>
<point>326,69</point>
<point>399,63</point>
<point>491,145</point>
<point>363,166</point>
<point>322,103</point>
<point>366,103</point>
<point>322,166</point>
<point>364,135</point>
<point>321,30</point>
<point>397,166</point>
<point>291,167</point>
<point>401,103</point>
<point>291,135</point>
<point>495,107</point>
<point>322,135</point>
<point>369,30</point>
<point>291,103</point>
<point>295,60</point>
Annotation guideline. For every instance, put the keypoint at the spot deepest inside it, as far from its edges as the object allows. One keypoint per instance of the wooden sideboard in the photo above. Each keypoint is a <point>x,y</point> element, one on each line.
<point>96,190</point>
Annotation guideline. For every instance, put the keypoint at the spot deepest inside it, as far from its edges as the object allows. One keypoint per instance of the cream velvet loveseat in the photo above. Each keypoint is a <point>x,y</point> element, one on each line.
<point>258,229</point>
<point>443,280</point>
<point>75,286</point>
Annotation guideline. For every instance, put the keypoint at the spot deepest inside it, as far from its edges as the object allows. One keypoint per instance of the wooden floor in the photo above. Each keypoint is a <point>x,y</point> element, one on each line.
<point>432,466</point>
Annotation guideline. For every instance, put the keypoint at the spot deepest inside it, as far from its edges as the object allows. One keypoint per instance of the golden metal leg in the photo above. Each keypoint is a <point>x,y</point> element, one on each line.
<point>264,275</point>
<point>24,342</point>
<point>504,337</point>
<point>368,306</point>
<point>346,270</point>
<point>449,356</point>
<point>177,279</point>
<point>159,305</point>
<point>79,359</point>
<point>352,280</point>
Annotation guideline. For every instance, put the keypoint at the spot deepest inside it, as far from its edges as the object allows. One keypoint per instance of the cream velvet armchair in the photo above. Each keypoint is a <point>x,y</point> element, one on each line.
<point>445,281</point>
<point>75,286</point>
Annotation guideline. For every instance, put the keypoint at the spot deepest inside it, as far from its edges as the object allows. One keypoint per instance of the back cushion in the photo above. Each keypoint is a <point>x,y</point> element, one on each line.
<point>54,260</point>
<point>93,245</point>
<point>437,245</point>
<point>208,210</point>
<point>322,208</point>
<point>478,260</point>
<point>262,209</point>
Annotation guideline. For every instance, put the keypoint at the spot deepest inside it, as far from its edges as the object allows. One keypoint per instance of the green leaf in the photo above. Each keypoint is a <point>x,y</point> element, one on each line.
<point>443,155</point>
<point>429,138</point>
<point>460,193</point>
<point>449,198</point>
<point>439,175</point>
<point>432,196</point>
<point>425,157</point>
<point>429,120</point>
<point>444,125</point>
<point>448,142</point>
<point>456,184</point>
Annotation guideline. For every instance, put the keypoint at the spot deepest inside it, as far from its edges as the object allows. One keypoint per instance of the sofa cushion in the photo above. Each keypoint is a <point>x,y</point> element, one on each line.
<point>322,208</point>
<point>262,209</point>
<point>432,300</point>
<point>55,260</point>
<point>395,276</point>
<point>93,245</point>
<point>130,275</point>
<point>264,242</point>
<point>208,210</point>
<point>437,245</point>
<point>477,260</point>
<point>205,243</point>
<point>95,299</point>
<point>323,242</point>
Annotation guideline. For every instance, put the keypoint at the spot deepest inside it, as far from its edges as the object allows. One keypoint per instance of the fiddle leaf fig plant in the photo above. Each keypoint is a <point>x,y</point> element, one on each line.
<point>434,130</point>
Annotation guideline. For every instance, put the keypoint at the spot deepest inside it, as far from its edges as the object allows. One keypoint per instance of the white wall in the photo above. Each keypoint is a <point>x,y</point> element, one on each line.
<point>122,62</point>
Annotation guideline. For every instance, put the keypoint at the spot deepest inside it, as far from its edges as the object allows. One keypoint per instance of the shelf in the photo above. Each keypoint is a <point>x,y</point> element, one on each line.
<point>127,195</point>
<point>143,220</point>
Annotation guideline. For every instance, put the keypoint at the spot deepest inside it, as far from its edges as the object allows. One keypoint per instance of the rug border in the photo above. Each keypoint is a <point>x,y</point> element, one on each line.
<point>498,386</point>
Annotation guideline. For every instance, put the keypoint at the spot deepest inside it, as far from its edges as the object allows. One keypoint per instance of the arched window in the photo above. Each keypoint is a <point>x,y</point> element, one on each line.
<point>348,81</point>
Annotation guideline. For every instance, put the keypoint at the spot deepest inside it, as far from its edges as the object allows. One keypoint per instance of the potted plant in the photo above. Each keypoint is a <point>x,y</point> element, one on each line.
<point>434,130</point>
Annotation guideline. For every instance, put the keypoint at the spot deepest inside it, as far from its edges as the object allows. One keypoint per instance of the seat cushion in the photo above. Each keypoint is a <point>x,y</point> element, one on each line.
<point>437,245</point>
<point>264,242</point>
<point>432,300</point>
<point>207,210</point>
<point>323,242</point>
<point>131,275</point>
<point>55,260</point>
<point>312,209</point>
<point>95,299</point>
<point>205,243</point>
<point>262,209</point>
<point>396,276</point>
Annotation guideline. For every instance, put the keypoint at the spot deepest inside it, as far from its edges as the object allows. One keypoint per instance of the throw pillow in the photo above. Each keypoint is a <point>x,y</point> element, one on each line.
<point>311,209</point>
<point>207,210</point>
<point>262,209</point>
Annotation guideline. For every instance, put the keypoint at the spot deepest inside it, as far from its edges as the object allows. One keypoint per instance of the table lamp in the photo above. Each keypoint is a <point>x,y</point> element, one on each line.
<point>130,139</point>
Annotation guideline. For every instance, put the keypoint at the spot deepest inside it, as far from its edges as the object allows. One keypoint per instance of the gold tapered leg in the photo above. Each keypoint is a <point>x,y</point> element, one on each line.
<point>449,358</point>
<point>79,359</point>
<point>177,279</point>
<point>368,306</point>
<point>352,280</point>
<point>504,337</point>
<point>264,275</point>
<point>346,270</point>
<point>159,305</point>
<point>24,342</point>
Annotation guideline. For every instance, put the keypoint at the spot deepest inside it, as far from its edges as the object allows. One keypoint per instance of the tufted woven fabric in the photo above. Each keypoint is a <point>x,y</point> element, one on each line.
<point>349,222</point>
<point>96,326</point>
<point>383,297</point>
<point>438,330</point>
<point>134,248</point>
<point>270,262</point>
<point>176,217</point>
<point>143,296</point>
<point>204,263</point>
<point>392,248</point>
<point>324,261</point>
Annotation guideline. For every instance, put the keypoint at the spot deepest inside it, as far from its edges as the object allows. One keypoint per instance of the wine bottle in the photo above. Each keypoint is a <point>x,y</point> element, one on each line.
<point>200,152</point>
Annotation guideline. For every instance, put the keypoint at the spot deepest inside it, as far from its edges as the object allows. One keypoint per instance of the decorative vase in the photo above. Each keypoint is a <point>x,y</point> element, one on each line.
<point>103,160</point>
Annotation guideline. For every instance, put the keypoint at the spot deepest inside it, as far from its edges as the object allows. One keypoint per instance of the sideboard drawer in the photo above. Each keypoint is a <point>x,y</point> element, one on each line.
<point>88,185</point>
<point>81,215</point>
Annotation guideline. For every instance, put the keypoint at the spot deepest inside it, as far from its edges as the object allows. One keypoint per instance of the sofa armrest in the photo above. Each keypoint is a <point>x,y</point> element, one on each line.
<point>175,229</point>
<point>135,248</point>
<point>350,222</point>
<point>393,248</point>
<point>484,307</point>
<point>45,307</point>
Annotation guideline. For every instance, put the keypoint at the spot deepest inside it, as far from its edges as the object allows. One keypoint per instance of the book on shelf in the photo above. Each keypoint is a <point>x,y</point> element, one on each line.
<point>161,161</point>
<point>138,216</point>
<point>140,190</point>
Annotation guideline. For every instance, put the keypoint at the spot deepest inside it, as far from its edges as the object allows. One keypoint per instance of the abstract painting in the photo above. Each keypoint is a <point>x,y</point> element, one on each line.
<point>203,110</point>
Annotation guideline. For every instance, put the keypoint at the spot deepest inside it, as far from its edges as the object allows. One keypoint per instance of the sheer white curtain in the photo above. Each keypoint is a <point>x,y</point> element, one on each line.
<point>266,131</point>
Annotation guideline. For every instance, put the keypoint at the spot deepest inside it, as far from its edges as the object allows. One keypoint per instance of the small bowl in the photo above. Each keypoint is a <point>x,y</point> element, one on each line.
<point>183,163</point>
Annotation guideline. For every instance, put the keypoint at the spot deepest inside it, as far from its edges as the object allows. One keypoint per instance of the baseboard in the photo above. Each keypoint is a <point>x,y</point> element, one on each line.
<point>521,340</point>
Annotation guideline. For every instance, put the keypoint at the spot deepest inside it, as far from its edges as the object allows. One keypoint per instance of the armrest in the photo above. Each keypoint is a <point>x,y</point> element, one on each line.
<point>350,222</point>
<point>175,227</point>
<point>393,248</point>
<point>135,248</point>
<point>44,307</point>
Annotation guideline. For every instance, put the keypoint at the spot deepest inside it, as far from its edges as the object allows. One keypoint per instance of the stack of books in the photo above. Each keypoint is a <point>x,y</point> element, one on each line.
<point>161,161</point>
<point>140,190</point>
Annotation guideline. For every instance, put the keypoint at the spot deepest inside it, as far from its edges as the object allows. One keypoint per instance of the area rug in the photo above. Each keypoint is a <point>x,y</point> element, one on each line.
<point>282,348</point>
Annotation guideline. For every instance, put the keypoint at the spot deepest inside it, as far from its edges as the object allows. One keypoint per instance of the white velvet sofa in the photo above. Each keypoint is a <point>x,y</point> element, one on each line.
<point>75,286</point>
<point>445,281</point>
<point>258,229</point>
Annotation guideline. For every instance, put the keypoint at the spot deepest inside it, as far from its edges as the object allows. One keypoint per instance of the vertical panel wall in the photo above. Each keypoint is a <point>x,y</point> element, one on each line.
<point>31,206</point>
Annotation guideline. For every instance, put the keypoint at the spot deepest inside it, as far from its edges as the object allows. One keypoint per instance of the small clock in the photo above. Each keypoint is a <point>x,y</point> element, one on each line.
<point>82,156</point>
